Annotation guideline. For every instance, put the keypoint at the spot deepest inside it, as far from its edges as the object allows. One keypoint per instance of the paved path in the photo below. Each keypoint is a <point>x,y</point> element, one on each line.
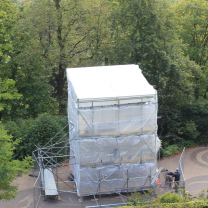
<point>196,168</point>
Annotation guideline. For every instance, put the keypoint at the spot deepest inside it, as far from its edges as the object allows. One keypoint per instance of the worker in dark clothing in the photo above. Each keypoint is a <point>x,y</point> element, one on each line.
<point>176,177</point>
<point>168,178</point>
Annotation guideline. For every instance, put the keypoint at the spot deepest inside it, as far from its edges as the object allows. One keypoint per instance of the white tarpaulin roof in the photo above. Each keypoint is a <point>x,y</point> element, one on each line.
<point>109,82</point>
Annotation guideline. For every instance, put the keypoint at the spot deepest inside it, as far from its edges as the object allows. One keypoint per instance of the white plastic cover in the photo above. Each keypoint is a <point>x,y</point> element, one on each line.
<point>116,150</point>
<point>114,114</point>
<point>109,82</point>
<point>113,178</point>
<point>115,121</point>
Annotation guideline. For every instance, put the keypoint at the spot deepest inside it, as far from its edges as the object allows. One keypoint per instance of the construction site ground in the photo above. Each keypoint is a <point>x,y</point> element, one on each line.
<point>196,178</point>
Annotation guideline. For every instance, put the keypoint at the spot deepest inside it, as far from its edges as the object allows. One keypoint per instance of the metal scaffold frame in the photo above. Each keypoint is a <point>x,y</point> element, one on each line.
<point>111,145</point>
<point>53,154</point>
<point>115,125</point>
<point>46,159</point>
<point>51,160</point>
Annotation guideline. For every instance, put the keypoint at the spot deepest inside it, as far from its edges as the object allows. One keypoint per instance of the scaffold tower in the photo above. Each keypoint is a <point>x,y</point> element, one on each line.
<point>111,143</point>
<point>114,112</point>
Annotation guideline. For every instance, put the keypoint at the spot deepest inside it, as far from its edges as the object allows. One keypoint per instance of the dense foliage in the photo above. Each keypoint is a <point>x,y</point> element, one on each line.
<point>31,132</point>
<point>10,169</point>
<point>40,39</point>
<point>45,37</point>
<point>168,200</point>
<point>191,204</point>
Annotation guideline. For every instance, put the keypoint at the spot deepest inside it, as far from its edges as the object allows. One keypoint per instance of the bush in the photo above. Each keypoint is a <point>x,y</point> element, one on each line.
<point>33,132</point>
<point>172,149</point>
<point>169,200</point>
<point>188,143</point>
<point>138,199</point>
<point>168,197</point>
<point>196,114</point>
<point>10,169</point>
<point>191,204</point>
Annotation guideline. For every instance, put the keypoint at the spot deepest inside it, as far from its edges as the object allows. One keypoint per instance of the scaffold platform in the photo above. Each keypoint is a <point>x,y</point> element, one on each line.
<point>50,185</point>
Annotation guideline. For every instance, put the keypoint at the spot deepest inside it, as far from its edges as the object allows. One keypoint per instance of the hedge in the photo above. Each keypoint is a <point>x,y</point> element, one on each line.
<point>191,204</point>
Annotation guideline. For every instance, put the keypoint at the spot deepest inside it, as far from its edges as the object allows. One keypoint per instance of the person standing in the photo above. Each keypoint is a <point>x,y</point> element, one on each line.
<point>168,179</point>
<point>176,177</point>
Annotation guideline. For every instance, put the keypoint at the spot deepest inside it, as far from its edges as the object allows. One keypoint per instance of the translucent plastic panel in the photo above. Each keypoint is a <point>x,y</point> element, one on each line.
<point>72,112</point>
<point>111,150</point>
<point>114,121</point>
<point>114,178</point>
<point>95,152</point>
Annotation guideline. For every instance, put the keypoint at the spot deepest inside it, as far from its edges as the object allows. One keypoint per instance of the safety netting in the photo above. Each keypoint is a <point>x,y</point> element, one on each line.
<point>114,140</point>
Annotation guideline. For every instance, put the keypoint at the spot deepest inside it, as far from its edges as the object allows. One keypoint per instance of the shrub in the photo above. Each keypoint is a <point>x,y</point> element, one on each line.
<point>33,132</point>
<point>188,143</point>
<point>138,199</point>
<point>170,200</point>
<point>196,115</point>
<point>171,149</point>
<point>10,169</point>
<point>191,204</point>
<point>168,197</point>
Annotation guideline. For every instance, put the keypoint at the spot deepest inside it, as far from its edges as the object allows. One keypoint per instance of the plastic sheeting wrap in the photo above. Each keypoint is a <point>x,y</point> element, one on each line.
<point>115,150</point>
<point>111,179</point>
<point>114,121</point>
<point>114,132</point>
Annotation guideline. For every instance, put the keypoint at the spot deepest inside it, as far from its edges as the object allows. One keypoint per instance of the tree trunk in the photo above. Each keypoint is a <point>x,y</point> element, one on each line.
<point>61,79</point>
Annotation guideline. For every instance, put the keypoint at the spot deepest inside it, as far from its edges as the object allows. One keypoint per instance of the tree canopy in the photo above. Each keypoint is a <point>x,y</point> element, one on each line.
<point>53,35</point>
<point>168,39</point>
<point>10,169</point>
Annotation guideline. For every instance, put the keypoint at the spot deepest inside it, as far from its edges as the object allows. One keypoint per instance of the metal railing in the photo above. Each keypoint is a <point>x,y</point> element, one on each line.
<point>37,185</point>
<point>173,187</point>
<point>181,165</point>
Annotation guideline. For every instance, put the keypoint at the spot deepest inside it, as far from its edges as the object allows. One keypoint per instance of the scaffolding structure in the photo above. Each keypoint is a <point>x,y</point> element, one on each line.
<point>53,158</point>
<point>116,143</point>
<point>50,157</point>
<point>111,144</point>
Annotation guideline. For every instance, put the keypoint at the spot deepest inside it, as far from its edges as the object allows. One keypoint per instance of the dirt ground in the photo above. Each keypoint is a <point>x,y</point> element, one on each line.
<point>196,177</point>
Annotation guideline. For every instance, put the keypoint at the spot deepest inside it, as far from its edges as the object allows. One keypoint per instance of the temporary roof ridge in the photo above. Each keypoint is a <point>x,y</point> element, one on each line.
<point>109,82</point>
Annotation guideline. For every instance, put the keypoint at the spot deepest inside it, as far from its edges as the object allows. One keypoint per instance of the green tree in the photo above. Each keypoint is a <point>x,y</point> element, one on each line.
<point>7,21</point>
<point>192,19</point>
<point>8,90</point>
<point>192,23</point>
<point>9,169</point>
<point>28,71</point>
<point>195,118</point>
<point>56,32</point>
<point>99,41</point>
<point>21,94</point>
<point>147,35</point>
<point>8,93</point>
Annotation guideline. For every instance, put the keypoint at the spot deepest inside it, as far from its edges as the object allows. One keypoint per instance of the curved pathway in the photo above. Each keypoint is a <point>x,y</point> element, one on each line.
<point>195,168</point>
<point>196,175</point>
